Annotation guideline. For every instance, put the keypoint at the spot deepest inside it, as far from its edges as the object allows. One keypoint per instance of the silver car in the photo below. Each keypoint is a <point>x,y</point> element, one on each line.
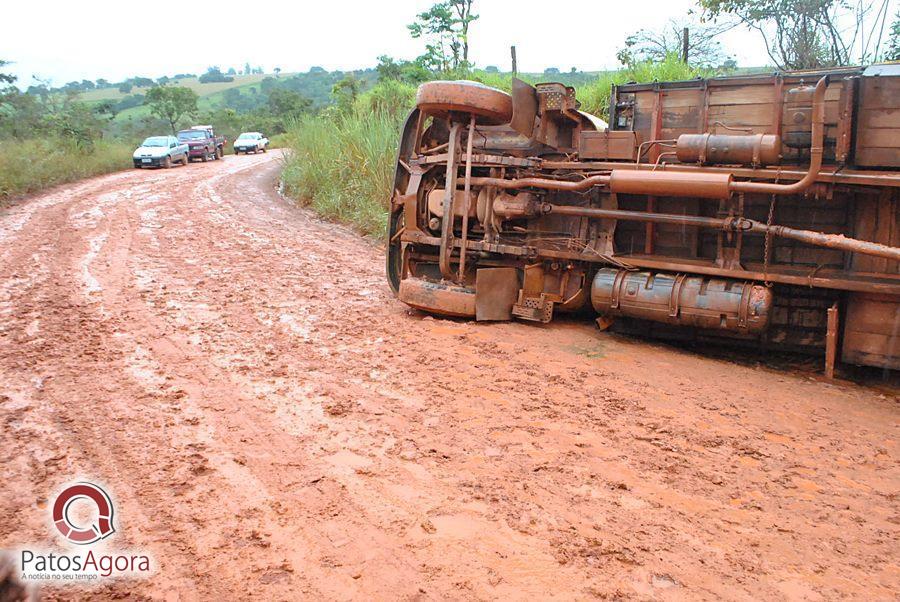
<point>160,151</point>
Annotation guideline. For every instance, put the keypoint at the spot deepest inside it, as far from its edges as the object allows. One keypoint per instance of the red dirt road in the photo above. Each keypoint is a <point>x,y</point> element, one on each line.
<point>272,423</point>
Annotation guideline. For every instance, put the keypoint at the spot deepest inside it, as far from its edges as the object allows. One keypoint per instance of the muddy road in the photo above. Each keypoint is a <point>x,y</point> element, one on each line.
<point>271,423</point>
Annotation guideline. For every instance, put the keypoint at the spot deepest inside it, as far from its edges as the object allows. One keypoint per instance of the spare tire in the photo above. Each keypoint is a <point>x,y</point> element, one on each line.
<point>489,105</point>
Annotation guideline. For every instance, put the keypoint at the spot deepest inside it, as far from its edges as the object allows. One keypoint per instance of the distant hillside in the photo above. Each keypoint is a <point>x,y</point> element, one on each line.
<point>249,92</point>
<point>244,94</point>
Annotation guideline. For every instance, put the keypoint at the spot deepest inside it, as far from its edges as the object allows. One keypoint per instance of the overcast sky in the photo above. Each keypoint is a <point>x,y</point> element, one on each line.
<point>89,39</point>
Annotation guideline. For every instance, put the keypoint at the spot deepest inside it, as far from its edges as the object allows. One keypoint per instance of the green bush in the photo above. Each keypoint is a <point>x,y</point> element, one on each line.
<point>28,166</point>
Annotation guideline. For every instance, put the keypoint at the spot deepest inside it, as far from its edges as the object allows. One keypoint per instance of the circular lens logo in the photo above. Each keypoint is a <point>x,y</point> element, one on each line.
<point>80,534</point>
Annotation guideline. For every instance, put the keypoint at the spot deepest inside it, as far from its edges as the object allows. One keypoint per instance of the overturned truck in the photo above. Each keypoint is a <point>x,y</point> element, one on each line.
<point>762,209</point>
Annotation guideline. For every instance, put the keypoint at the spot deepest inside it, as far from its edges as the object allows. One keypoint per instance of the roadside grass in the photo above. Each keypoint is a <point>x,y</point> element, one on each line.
<point>342,166</point>
<point>279,141</point>
<point>28,166</point>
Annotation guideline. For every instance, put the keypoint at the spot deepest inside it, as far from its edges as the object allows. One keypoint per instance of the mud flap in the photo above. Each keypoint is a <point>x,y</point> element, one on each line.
<point>496,290</point>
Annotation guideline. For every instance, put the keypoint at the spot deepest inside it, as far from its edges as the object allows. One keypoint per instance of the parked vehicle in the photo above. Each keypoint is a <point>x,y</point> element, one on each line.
<point>203,142</point>
<point>250,142</point>
<point>760,209</point>
<point>160,151</point>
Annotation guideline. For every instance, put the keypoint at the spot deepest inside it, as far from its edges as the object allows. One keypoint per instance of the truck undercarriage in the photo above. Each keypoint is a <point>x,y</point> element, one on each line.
<point>762,209</point>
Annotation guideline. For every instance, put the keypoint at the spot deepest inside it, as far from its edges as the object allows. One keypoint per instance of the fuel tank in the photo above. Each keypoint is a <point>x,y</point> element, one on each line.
<point>683,299</point>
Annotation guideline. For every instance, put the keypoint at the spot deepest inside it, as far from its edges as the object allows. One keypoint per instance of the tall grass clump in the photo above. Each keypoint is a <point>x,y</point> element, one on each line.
<point>28,166</point>
<point>341,164</point>
<point>595,96</point>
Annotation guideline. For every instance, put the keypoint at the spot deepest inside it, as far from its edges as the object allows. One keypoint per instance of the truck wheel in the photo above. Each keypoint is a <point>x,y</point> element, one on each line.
<point>394,255</point>
<point>219,153</point>
<point>185,160</point>
<point>264,149</point>
<point>168,162</point>
<point>205,157</point>
<point>489,105</point>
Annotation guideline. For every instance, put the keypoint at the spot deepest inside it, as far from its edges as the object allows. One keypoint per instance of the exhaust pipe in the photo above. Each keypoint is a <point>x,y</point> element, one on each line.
<point>700,185</point>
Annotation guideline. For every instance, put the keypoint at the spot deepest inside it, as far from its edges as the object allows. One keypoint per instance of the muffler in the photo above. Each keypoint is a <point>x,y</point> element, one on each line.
<point>683,299</point>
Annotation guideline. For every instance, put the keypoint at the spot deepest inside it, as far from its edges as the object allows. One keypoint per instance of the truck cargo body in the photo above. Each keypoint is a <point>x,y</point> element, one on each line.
<point>761,209</point>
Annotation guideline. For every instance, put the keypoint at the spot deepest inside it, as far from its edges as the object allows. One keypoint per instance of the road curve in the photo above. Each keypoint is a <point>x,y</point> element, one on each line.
<point>270,422</point>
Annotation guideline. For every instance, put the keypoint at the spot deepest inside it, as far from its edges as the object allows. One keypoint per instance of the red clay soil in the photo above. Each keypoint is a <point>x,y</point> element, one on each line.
<point>272,423</point>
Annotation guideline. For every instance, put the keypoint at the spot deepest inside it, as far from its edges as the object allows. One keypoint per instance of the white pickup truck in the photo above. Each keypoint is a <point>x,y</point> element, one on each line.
<point>160,151</point>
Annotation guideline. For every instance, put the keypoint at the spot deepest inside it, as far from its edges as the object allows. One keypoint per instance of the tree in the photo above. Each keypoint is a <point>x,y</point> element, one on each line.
<point>287,103</point>
<point>704,49</point>
<point>412,72</point>
<point>231,71</point>
<point>214,74</point>
<point>893,51</point>
<point>345,92</point>
<point>464,17</point>
<point>246,68</point>
<point>551,71</point>
<point>125,87</point>
<point>388,68</point>
<point>6,78</point>
<point>171,103</point>
<point>799,34</point>
<point>276,71</point>
<point>445,29</point>
<point>106,107</point>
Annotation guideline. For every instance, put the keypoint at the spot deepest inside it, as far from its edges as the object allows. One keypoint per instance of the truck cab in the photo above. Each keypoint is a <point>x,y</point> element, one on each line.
<point>203,143</point>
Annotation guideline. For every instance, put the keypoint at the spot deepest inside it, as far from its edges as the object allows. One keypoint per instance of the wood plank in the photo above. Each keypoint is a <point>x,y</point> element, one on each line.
<point>758,115</point>
<point>673,99</point>
<point>878,157</point>
<point>681,117</point>
<point>879,138</point>
<point>880,92</point>
<point>879,118</point>
<point>741,95</point>
<point>877,317</point>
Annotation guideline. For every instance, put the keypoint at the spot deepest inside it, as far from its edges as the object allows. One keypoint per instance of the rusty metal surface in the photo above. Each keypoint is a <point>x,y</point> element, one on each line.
<point>683,299</point>
<point>438,298</point>
<point>752,149</point>
<point>717,190</point>
<point>489,105</point>
<point>660,183</point>
<point>496,291</point>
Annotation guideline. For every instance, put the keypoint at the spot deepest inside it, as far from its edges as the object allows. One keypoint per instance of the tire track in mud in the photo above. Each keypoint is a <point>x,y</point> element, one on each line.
<point>272,422</point>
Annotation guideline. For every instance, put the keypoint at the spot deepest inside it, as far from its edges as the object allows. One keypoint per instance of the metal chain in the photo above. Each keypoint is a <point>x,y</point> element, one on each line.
<point>768,239</point>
